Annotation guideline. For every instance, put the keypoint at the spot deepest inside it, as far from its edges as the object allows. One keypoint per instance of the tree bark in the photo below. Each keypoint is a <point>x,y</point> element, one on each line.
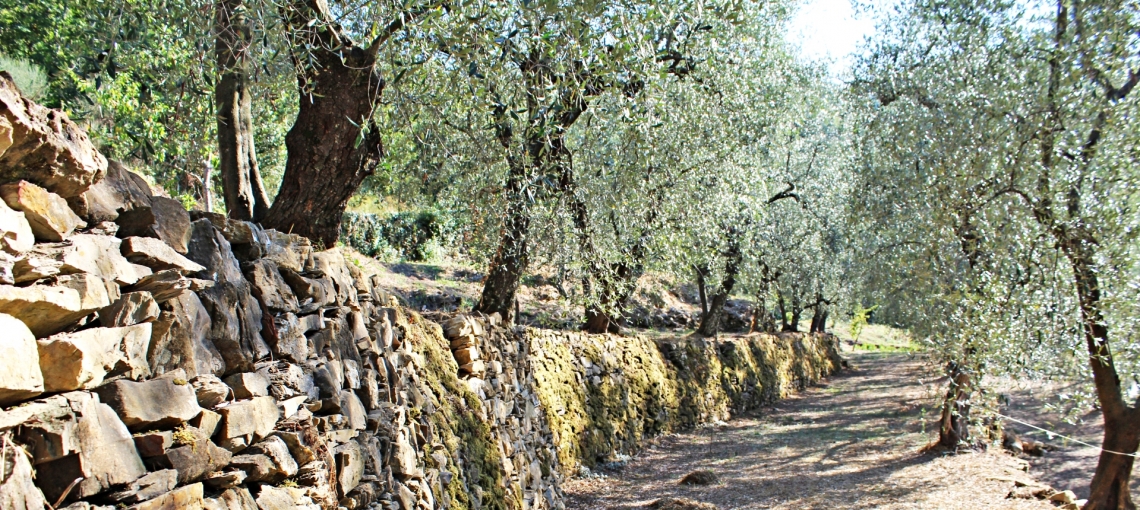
<point>819,318</point>
<point>797,314</point>
<point>544,152</point>
<point>334,144</point>
<point>782,303</point>
<point>597,320</point>
<point>510,260</point>
<point>702,291</point>
<point>710,322</point>
<point>1109,488</point>
<point>598,311</point>
<point>605,315</point>
<point>794,325</point>
<point>953,427</point>
<point>765,321</point>
<point>237,158</point>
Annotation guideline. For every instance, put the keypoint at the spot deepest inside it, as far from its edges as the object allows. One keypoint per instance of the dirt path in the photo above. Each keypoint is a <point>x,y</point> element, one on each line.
<point>853,443</point>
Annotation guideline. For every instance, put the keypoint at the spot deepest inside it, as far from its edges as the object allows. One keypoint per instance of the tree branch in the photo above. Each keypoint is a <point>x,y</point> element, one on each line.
<point>790,192</point>
<point>400,22</point>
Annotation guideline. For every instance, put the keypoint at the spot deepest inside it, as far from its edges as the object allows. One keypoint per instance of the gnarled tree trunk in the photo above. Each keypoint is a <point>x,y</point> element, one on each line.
<point>237,158</point>
<point>1109,489</point>
<point>334,143</point>
<point>545,153</point>
<point>790,325</point>
<point>762,318</point>
<point>616,288</point>
<point>510,260</point>
<point>605,315</point>
<point>953,427</point>
<point>710,322</point>
<point>819,318</point>
<point>328,154</point>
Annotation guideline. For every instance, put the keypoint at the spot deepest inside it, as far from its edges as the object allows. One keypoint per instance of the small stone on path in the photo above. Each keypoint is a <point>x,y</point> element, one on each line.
<point>680,504</point>
<point>700,477</point>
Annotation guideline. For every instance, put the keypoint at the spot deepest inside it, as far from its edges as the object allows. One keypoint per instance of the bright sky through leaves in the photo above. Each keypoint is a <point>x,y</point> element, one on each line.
<point>830,31</point>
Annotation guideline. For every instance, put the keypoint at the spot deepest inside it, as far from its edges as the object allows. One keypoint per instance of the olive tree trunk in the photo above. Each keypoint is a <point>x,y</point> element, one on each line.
<point>1109,489</point>
<point>237,158</point>
<point>334,144</point>
<point>953,425</point>
<point>543,153</point>
<point>711,320</point>
<point>819,318</point>
<point>510,260</point>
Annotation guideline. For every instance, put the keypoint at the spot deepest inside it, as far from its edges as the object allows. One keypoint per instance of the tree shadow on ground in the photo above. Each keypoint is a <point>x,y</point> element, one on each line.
<point>855,442</point>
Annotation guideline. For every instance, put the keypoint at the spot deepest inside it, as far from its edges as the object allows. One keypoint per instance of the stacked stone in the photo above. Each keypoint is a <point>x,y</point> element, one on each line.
<point>160,358</point>
<point>495,363</point>
<point>463,333</point>
<point>604,396</point>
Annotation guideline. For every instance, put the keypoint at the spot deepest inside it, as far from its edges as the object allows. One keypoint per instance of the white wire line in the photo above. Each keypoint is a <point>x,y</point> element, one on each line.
<point>1052,433</point>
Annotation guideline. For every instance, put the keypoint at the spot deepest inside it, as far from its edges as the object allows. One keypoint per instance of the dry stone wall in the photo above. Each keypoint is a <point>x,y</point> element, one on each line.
<point>155,358</point>
<point>603,396</point>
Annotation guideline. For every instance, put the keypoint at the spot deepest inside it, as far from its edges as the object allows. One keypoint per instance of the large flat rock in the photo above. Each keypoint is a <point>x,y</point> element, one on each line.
<point>254,418</point>
<point>189,496</point>
<point>164,219</point>
<point>120,190</point>
<point>148,487</point>
<point>349,465</point>
<point>157,255</point>
<point>48,214</point>
<point>72,436</point>
<point>163,285</point>
<point>89,253</point>
<point>155,404</point>
<point>47,310</point>
<point>83,359</point>
<point>19,379</point>
<point>47,148</point>
<point>131,308</point>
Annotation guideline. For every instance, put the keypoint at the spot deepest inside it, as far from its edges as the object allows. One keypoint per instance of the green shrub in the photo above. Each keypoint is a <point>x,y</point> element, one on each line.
<point>859,319</point>
<point>410,235</point>
<point>30,78</point>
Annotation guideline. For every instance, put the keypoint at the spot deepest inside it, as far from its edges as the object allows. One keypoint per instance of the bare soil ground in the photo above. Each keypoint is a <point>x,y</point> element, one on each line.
<point>855,442</point>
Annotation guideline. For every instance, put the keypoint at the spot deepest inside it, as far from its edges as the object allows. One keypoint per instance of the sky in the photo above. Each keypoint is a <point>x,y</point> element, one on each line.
<point>830,31</point>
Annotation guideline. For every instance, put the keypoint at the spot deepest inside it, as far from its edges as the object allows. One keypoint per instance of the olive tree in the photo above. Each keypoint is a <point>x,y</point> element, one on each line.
<point>1010,131</point>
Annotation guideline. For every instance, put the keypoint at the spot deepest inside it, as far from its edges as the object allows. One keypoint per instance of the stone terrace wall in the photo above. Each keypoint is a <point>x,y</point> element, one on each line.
<point>154,358</point>
<point>604,395</point>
